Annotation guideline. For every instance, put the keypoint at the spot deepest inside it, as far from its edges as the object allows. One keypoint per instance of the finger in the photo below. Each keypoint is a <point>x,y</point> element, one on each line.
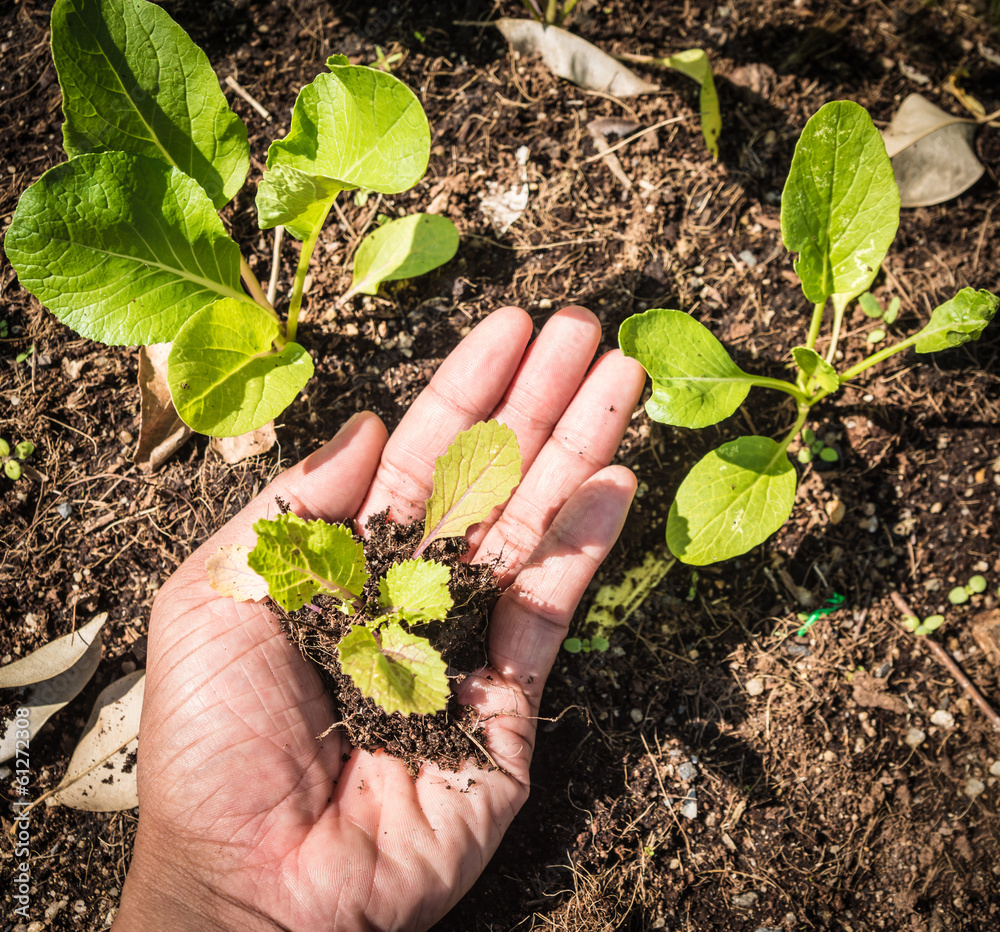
<point>530,621</point>
<point>467,387</point>
<point>583,442</point>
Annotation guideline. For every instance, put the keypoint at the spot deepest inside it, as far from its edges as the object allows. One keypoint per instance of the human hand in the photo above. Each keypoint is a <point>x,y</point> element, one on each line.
<point>247,820</point>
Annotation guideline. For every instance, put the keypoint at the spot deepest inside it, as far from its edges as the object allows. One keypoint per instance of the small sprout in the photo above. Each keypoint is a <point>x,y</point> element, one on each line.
<point>585,645</point>
<point>976,585</point>
<point>869,304</point>
<point>13,469</point>
<point>958,595</point>
<point>4,330</point>
<point>693,588</point>
<point>11,466</point>
<point>892,312</point>
<point>4,447</point>
<point>21,357</point>
<point>25,448</point>
<point>829,455</point>
<point>572,645</point>
<point>911,622</point>
<point>932,623</point>
<point>808,436</point>
<point>876,336</point>
<point>599,644</point>
<point>805,455</point>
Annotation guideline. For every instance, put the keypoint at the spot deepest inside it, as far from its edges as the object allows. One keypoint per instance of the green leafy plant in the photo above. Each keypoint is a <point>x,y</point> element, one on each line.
<point>596,644</point>
<point>12,462</point>
<point>124,244</point>
<point>929,624</point>
<point>812,447</point>
<point>299,560</point>
<point>839,212</point>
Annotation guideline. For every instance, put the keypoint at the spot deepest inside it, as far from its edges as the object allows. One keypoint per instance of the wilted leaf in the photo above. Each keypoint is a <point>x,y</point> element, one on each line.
<point>230,575</point>
<point>101,776</point>
<point>402,248</point>
<point>957,321</point>
<point>406,674</point>
<point>417,590</point>
<point>931,151</point>
<point>614,604</point>
<point>477,472</point>
<point>301,558</point>
<point>226,376</point>
<point>695,382</point>
<point>233,450</point>
<point>733,499</point>
<point>44,698</point>
<point>575,59</point>
<point>161,431</point>
<point>53,658</point>
<point>841,221</point>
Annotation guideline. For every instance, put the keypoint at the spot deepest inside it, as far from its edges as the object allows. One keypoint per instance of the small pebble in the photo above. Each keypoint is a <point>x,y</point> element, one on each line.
<point>637,715</point>
<point>687,771</point>
<point>768,929</point>
<point>65,509</point>
<point>995,769</point>
<point>755,686</point>
<point>744,900</point>
<point>943,719</point>
<point>974,788</point>
<point>835,510</point>
<point>689,808</point>
<point>749,258</point>
<point>882,670</point>
<point>797,650</point>
<point>915,737</point>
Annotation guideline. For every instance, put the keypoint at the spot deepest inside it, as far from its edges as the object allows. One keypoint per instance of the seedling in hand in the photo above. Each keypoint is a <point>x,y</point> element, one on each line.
<point>839,212</point>
<point>586,645</point>
<point>296,560</point>
<point>123,242</point>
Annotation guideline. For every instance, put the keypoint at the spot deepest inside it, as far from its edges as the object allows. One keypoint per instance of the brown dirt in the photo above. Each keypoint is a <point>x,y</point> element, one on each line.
<point>812,810</point>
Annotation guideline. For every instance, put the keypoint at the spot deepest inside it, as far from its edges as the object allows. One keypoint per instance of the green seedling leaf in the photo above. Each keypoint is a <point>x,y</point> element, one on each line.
<point>21,357</point>
<point>477,472</point>
<point>840,221</point>
<point>133,81</point>
<point>599,644</point>
<point>958,596</point>
<point>695,64</point>
<point>225,376</point>
<point>932,623</point>
<point>695,383</point>
<point>353,127</point>
<point>829,455</point>
<point>417,591</point>
<point>869,304</point>
<point>804,456</point>
<point>911,622</point>
<point>4,447</point>
<point>300,558</point>
<point>876,336</point>
<point>295,199</point>
<point>572,645</point>
<point>13,470</point>
<point>808,436</point>
<point>892,311</point>
<point>956,321</point>
<point>733,499</point>
<point>403,248</point>
<point>817,368</point>
<point>977,584</point>
<point>405,674</point>
<point>24,449</point>
<point>122,248</point>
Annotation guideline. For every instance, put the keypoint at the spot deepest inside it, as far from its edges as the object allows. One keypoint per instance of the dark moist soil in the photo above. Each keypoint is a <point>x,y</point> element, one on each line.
<point>450,737</point>
<point>712,770</point>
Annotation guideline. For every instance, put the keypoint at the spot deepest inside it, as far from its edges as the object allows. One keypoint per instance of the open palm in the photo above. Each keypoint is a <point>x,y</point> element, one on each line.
<point>247,820</point>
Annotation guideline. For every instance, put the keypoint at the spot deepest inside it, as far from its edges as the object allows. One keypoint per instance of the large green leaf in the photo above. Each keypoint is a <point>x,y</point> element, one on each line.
<point>353,127</point>
<point>475,474</point>
<point>840,204</point>
<point>295,199</point>
<point>133,81</point>
<point>225,375</point>
<point>300,558</point>
<point>403,248</point>
<point>957,321</point>
<point>406,674</point>
<point>695,64</point>
<point>695,383</point>
<point>733,499</point>
<point>417,591</point>
<point>122,248</point>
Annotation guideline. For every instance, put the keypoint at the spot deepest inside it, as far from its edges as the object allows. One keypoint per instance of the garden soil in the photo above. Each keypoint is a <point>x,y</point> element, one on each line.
<point>713,770</point>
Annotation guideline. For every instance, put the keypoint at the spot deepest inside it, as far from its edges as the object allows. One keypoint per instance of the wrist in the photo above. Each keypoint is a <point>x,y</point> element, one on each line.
<point>163,892</point>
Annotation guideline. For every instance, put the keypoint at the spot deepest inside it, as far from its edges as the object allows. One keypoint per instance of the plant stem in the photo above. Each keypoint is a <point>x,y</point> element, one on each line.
<point>566,10</point>
<point>815,324</point>
<point>762,381</point>
<point>803,413</point>
<point>253,286</point>
<point>950,664</point>
<point>551,11</point>
<point>876,358</point>
<point>305,257</point>
<point>272,285</point>
<point>838,320</point>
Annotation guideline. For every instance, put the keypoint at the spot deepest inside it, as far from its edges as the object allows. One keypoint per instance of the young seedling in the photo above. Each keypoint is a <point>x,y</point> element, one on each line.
<point>586,645</point>
<point>12,463</point>
<point>297,560</point>
<point>123,242</point>
<point>839,212</point>
<point>961,594</point>
<point>812,447</point>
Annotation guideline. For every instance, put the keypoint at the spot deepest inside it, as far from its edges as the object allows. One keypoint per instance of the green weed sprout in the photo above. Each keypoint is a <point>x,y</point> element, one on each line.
<point>124,244</point>
<point>813,447</point>
<point>12,463</point>
<point>299,559</point>
<point>839,213</point>
<point>918,627</point>
<point>961,594</point>
<point>586,645</point>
